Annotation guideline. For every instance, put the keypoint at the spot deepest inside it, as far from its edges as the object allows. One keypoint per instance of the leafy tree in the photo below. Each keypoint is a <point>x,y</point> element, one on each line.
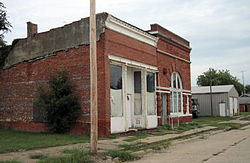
<point>247,88</point>
<point>4,24</point>
<point>221,77</point>
<point>60,104</point>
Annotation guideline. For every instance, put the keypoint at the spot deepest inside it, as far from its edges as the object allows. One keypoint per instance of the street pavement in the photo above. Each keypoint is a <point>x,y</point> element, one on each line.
<point>225,147</point>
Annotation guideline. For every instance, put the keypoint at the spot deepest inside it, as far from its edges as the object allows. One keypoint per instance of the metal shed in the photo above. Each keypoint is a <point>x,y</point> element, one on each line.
<point>224,100</point>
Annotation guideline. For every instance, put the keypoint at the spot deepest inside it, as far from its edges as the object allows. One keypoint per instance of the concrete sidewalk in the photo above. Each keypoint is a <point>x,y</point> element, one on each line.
<point>105,144</point>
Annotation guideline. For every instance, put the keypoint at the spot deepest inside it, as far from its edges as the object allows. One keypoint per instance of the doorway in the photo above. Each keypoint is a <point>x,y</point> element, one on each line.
<point>134,99</point>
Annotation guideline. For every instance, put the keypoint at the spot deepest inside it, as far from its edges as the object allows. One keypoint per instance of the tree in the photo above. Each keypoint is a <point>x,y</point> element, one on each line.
<point>60,104</point>
<point>247,88</point>
<point>4,24</point>
<point>221,77</point>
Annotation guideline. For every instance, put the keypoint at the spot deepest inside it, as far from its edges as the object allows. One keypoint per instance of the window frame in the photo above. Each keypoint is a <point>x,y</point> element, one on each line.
<point>176,104</point>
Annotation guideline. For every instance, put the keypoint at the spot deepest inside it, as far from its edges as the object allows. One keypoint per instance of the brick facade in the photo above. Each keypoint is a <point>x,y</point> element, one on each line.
<point>19,82</point>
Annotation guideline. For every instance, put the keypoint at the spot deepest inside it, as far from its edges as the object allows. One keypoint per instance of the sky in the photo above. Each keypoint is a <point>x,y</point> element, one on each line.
<point>218,30</point>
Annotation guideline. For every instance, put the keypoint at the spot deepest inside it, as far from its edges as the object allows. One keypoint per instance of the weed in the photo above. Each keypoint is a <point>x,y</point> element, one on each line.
<point>136,136</point>
<point>76,156</point>
<point>38,156</point>
<point>133,147</point>
<point>122,155</point>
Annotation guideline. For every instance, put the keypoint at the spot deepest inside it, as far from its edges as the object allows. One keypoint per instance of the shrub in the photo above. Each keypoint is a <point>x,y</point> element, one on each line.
<point>60,104</point>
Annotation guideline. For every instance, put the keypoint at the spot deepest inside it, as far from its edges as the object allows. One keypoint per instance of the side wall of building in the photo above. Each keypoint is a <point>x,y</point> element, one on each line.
<point>19,84</point>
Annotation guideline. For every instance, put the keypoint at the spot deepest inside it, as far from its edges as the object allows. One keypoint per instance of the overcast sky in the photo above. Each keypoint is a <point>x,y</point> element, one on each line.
<point>218,30</point>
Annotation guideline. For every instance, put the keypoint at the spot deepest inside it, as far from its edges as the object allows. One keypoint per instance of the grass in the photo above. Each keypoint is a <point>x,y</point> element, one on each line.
<point>133,147</point>
<point>137,136</point>
<point>11,161</point>
<point>246,118</point>
<point>12,141</point>
<point>75,156</point>
<point>209,120</point>
<point>122,155</point>
<point>138,146</point>
<point>38,156</point>
<point>244,113</point>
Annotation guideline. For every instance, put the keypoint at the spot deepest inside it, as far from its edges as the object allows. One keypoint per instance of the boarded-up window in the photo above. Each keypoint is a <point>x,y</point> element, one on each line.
<point>116,90</point>
<point>137,93</point>
<point>38,113</point>
<point>151,104</point>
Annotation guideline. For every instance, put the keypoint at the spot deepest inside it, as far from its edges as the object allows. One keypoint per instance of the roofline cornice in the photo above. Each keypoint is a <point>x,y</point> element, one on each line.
<point>171,39</point>
<point>122,27</point>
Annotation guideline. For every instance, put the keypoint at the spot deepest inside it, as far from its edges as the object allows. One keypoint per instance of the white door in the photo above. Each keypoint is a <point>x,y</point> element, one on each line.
<point>130,98</point>
<point>222,107</point>
<point>129,108</point>
<point>231,106</point>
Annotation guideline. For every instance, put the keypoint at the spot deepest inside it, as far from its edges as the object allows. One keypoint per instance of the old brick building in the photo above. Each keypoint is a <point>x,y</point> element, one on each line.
<point>143,76</point>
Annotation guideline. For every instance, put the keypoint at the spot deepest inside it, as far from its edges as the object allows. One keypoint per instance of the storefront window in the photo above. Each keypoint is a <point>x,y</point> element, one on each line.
<point>116,90</point>
<point>151,103</point>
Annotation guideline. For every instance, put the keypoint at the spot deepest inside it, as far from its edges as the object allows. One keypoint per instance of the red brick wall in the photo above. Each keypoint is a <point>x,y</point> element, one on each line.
<point>167,65</point>
<point>126,47</point>
<point>156,27</point>
<point>181,119</point>
<point>19,84</point>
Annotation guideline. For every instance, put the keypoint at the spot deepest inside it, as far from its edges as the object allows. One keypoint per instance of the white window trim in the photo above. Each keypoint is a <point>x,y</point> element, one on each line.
<point>180,90</point>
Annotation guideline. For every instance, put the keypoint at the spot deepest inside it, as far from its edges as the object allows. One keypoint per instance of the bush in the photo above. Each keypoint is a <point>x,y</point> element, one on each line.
<point>60,104</point>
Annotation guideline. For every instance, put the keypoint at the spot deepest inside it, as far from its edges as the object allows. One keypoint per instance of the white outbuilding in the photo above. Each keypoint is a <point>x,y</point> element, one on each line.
<point>224,99</point>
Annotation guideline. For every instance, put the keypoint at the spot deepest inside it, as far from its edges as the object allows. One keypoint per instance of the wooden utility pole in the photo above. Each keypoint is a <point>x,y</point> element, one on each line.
<point>211,94</point>
<point>93,79</point>
<point>243,82</point>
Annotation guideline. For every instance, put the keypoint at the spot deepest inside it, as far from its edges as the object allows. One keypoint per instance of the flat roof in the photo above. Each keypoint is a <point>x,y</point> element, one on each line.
<point>215,89</point>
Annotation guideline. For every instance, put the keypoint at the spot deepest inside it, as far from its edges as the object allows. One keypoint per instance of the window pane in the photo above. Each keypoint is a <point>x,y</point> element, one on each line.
<point>150,82</point>
<point>179,84</point>
<point>151,106</point>
<point>137,93</point>
<point>171,103</point>
<point>174,80</point>
<point>137,82</point>
<point>179,102</point>
<point>115,77</point>
<point>116,90</point>
<point>175,102</point>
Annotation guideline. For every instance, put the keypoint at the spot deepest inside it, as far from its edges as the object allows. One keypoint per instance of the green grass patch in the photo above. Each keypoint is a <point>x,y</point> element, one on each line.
<point>137,136</point>
<point>11,161</point>
<point>76,156</point>
<point>12,141</point>
<point>122,155</point>
<point>208,120</point>
<point>38,156</point>
<point>230,126</point>
<point>244,113</point>
<point>133,147</point>
<point>139,146</point>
